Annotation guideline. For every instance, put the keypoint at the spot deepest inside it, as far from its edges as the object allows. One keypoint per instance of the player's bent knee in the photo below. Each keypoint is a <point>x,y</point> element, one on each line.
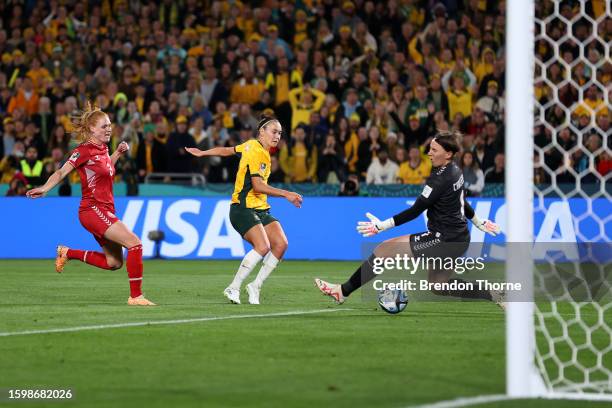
<point>133,241</point>
<point>280,245</point>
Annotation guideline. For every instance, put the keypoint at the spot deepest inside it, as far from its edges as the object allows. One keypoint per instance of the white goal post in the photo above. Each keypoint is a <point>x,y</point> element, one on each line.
<point>528,365</point>
<point>521,375</point>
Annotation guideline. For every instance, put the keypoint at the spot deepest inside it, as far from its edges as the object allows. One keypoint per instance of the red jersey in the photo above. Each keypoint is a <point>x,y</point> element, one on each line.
<point>96,171</point>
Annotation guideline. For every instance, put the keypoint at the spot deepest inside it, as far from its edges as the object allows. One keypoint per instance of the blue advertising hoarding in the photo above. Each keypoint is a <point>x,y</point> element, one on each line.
<point>324,228</point>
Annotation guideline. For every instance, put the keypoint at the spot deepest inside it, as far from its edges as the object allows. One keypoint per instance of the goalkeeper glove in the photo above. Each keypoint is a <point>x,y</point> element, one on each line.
<point>487,226</point>
<point>374,226</point>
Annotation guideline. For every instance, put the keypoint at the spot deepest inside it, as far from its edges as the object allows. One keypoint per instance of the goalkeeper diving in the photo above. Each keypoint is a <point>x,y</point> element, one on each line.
<point>447,234</point>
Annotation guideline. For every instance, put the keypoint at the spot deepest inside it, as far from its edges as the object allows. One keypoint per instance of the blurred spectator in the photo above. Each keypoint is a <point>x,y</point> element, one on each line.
<point>272,41</point>
<point>592,104</point>
<point>211,89</point>
<point>331,161</point>
<point>8,138</point>
<point>473,176</point>
<point>415,169</point>
<point>53,163</point>
<point>491,103</point>
<point>415,132</point>
<point>367,149</point>
<point>10,164</point>
<point>186,98</point>
<point>459,95</point>
<point>496,173</point>
<point>299,160</point>
<point>304,102</point>
<point>44,119</point>
<point>382,170</point>
<point>279,84</point>
<point>177,158</point>
<point>247,89</point>
<point>31,167</point>
<point>18,186</point>
<point>604,164</point>
<point>276,173</point>
<point>347,135</point>
<point>150,156</point>
<point>25,99</point>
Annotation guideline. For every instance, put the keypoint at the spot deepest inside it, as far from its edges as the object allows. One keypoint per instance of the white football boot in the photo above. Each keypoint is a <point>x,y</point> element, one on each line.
<point>330,289</point>
<point>232,294</point>
<point>253,292</point>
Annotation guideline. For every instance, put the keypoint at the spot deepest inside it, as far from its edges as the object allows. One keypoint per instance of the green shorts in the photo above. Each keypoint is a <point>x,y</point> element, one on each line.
<point>243,219</point>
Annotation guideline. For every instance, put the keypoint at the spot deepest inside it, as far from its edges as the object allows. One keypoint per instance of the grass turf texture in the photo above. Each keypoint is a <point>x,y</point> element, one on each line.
<point>360,357</point>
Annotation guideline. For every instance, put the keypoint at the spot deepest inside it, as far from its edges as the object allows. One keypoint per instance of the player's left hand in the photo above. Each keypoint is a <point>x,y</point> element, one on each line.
<point>487,226</point>
<point>374,226</point>
<point>123,147</point>
<point>36,192</point>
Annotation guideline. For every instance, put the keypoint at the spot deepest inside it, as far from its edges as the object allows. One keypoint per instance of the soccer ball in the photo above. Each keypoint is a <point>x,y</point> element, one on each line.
<point>392,301</point>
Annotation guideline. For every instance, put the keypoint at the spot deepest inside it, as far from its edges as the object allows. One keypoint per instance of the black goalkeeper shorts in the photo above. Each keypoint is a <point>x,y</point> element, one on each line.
<point>432,244</point>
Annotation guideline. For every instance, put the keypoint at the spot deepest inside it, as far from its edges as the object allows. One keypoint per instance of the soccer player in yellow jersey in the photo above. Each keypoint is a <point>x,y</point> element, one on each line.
<point>250,211</point>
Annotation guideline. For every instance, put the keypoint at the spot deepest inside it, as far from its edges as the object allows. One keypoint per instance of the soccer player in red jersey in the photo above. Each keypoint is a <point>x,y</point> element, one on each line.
<point>97,210</point>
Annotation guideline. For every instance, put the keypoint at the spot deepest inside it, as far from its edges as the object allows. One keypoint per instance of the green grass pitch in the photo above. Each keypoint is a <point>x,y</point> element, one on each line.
<point>352,355</point>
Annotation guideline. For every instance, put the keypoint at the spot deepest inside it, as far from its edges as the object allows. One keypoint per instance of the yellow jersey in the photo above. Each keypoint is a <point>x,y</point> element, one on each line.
<point>254,162</point>
<point>417,175</point>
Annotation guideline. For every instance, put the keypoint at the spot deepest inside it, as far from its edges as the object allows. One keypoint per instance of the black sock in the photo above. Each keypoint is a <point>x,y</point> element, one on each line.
<point>362,275</point>
<point>469,293</point>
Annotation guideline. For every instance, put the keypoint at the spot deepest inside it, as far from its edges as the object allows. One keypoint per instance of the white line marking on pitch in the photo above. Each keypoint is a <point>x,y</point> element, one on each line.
<point>466,402</point>
<point>160,322</point>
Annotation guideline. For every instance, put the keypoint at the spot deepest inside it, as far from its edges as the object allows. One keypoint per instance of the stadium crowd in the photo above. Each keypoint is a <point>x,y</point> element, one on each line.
<point>359,86</point>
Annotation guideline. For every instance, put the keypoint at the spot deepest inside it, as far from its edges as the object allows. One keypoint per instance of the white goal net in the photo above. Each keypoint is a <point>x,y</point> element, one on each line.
<point>573,77</point>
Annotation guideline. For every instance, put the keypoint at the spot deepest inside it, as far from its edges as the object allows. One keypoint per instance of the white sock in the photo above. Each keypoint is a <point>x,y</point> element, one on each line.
<point>249,262</point>
<point>268,265</point>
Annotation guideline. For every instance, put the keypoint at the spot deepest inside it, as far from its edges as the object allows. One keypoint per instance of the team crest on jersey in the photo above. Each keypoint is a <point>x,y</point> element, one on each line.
<point>74,156</point>
<point>262,167</point>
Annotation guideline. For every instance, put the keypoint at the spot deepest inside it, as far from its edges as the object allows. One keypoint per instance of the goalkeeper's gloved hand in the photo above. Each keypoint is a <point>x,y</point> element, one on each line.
<point>487,226</point>
<point>374,226</point>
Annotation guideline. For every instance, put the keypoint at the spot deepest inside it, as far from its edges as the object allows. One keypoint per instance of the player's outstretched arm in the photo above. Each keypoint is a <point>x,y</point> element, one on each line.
<point>374,226</point>
<point>52,181</point>
<point>215,151</point>
<point>260,187</point>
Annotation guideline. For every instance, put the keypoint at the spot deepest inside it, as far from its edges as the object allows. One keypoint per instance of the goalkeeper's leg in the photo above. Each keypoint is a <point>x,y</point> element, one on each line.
<point>365,272</point>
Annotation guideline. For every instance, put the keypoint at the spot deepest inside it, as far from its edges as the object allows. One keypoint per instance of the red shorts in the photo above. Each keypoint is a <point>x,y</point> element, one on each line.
<point>97,220</point>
